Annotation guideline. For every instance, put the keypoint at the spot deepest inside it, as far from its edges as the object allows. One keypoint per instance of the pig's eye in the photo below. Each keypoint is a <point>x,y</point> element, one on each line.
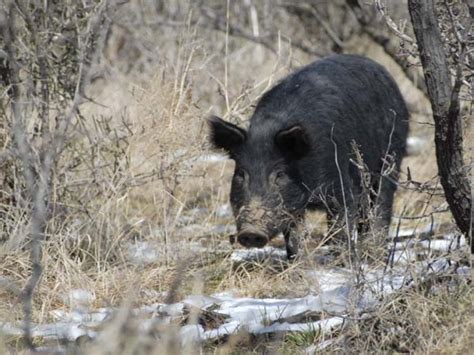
<point>280,177</point>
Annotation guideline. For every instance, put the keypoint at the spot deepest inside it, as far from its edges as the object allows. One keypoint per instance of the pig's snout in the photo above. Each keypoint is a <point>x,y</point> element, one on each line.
<point>252,239</point>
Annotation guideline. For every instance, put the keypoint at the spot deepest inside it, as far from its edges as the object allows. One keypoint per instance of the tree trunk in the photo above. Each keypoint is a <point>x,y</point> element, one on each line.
<point>444,100</point>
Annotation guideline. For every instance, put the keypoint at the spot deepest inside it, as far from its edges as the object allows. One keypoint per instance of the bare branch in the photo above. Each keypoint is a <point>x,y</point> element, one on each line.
<point>391,49</point>
<point>313,10</point>
<point>391,24</point>
<point>217,24</point>
<point>23,148</point>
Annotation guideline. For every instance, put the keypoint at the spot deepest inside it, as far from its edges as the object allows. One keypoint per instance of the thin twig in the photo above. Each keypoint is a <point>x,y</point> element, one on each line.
<point>391,24</point>
<point>313,10</point>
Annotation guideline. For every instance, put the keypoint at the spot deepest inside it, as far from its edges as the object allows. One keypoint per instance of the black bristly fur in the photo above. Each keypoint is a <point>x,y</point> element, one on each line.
<point>286,160</point>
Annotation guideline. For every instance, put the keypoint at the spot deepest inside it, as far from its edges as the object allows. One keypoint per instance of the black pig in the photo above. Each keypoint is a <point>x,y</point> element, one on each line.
<point>299,151</point>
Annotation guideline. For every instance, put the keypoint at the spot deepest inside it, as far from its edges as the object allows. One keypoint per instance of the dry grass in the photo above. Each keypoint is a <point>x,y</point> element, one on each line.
<point>132,173</point>
<point>432,319</point>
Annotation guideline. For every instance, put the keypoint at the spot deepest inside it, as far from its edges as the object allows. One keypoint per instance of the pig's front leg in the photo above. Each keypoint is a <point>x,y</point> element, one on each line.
<point>293,239</point>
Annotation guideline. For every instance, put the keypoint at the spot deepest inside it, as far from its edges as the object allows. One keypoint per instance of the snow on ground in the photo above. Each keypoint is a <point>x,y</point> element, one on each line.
<point>338,292</point>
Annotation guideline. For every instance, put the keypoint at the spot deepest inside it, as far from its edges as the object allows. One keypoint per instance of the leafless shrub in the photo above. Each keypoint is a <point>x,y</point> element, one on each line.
<point>44,98</point>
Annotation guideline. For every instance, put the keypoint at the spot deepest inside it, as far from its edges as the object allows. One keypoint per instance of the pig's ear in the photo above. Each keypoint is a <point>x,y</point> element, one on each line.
<point>225,135</point>
<point>293,141</point>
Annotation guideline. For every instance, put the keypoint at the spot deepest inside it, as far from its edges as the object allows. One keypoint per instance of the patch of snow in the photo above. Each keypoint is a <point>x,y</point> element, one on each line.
<point>225,295</point>
<point>258,255</point>
<point>322,326</point>
<point>447,243</point>
<point>224,211</point>
<point>212,158</point>
<point>59,330</point>
<point>193,214</point>
<point>147,252</point>
<point>199,301</point>
<point>416,145</point>
<point>411,232</point>
<point>464,271</point>
<point>329,279</point>
<point>141,252</point>
<point>191,333</point>
<point>247,310</point>
<point>79,298</point>
<point>173,310</point>
<point>223,330</point>
<point>148,309</point>
<point>80,316</point>
<point>223,229</point>
<point>316,348</point>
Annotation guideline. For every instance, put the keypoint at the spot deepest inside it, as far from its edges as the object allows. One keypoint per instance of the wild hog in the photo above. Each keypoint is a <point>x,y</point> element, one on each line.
<point>300,150</point>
